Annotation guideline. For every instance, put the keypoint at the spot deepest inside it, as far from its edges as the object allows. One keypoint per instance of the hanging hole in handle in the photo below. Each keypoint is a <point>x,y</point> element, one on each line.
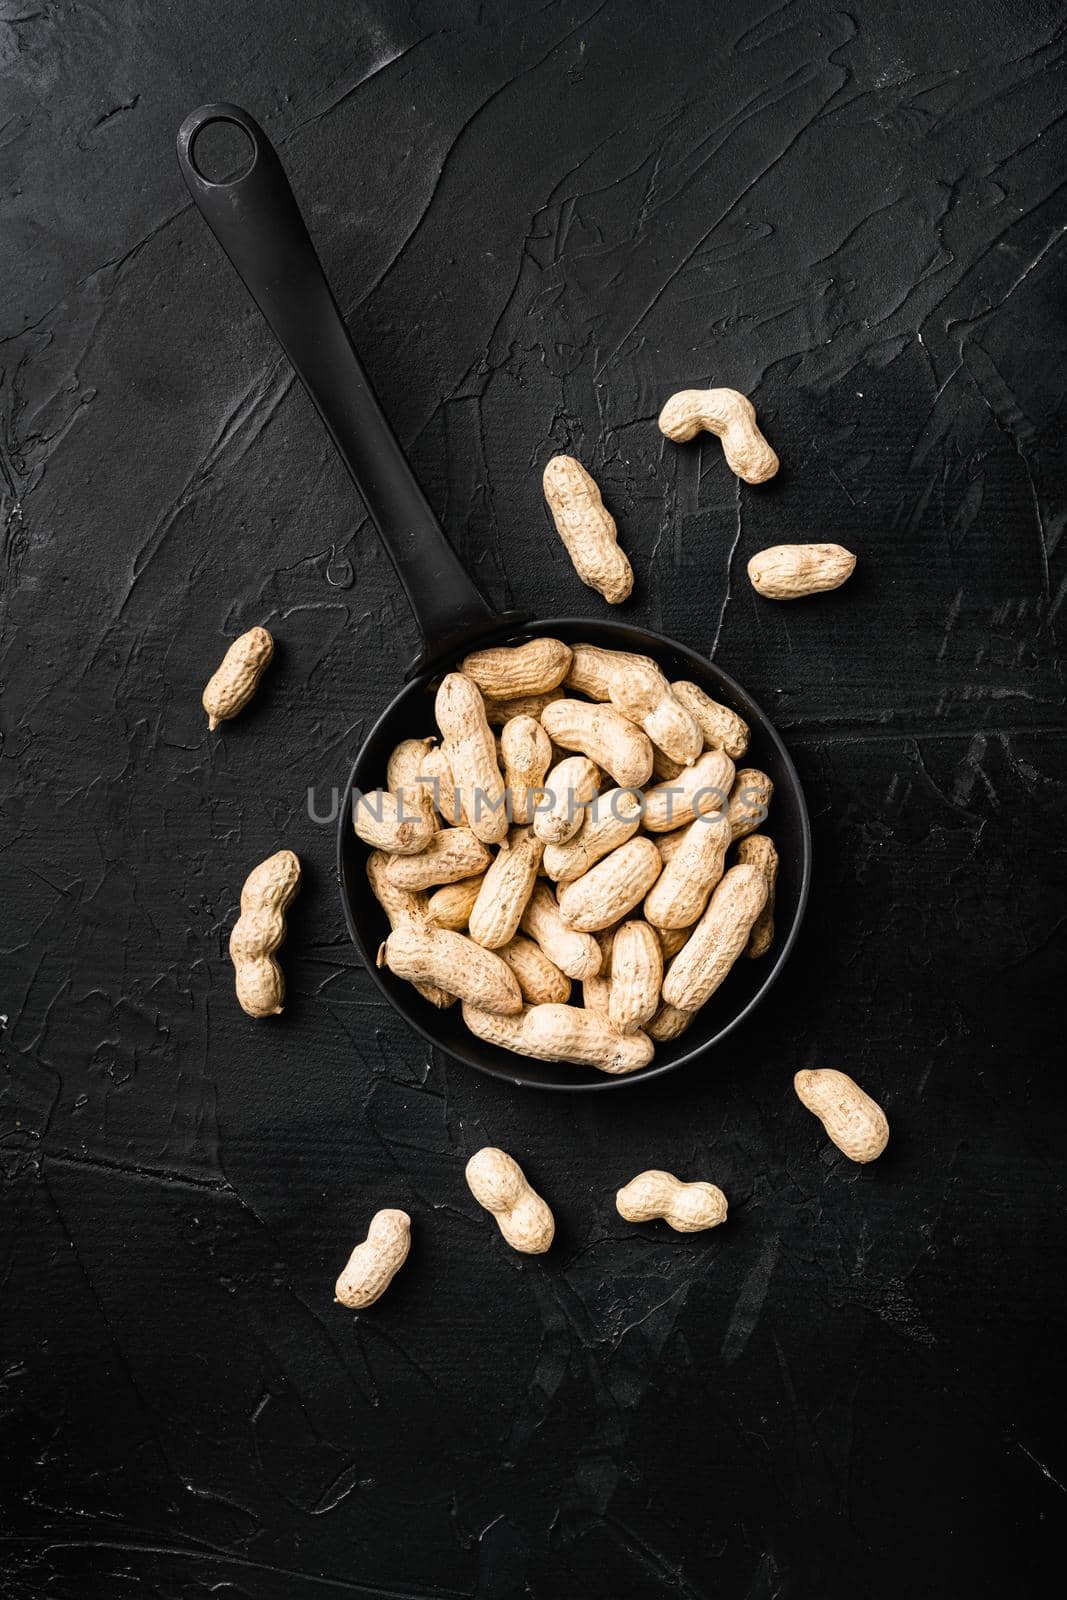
<point>222,152</point>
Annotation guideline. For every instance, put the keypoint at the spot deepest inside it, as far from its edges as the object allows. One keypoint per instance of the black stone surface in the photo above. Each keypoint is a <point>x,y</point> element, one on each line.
<point>541,220</point>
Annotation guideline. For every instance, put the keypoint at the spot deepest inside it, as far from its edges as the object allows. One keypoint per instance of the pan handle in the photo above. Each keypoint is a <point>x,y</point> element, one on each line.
<point>256,220</point>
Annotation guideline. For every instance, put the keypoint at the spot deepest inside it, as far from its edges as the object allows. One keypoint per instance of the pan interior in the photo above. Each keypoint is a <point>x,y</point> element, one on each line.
<point>411,716</point>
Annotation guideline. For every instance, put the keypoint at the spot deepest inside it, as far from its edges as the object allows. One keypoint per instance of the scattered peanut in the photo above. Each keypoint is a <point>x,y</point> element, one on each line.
<point>541,981</point>
<point>374,1264</point>
<point>499,1184</point>
<point>609,821</point>
<point>403,906</point>
<point>505,889</point>
<point>424,953</point>
<point>259,930</point>
<point>636,976</point>
<point>576,954</point>
<point>680,893</point>
<point>452,904</point>
<point>604,735</point>
<point>636,687</point>
<point>703,787</point>
<point>732,418</point>
<point>587,529</point>
<point>569,788</point>
<point>686,1207</point>
<point>471,753</point>
<point>612,888</point>
<point>232,686</point>
<point>508,672</point>
<point>721,728</point>
<point>791,571</point>
<point>451,854</point>
<point>853,1121</point>
<point>759,851</point>
<point>749,799</point>
<point>717,940</point>
<point>526,752</point>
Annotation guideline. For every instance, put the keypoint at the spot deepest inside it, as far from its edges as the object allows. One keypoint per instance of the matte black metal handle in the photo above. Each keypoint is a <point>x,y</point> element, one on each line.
<point>256,220</point>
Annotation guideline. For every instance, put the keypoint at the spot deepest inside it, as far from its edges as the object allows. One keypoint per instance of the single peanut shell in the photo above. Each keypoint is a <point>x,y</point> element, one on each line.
<point>680,893</point>
<point>403,906</point>
<point>669,1023</point>
<point>609,820</point>
<point>722,729</point>
<point>759,851</point>
<point>508,672</point>
<point>501,712</point>
<point>374,1264</point>
<point>584,1038</point>
<point>234,683</point>
<point>603,734</point>
<point>636,976</point>
<point>526,754</point>
<point>505,889</point>
<point>451,854</point>
<point>750,800</point>
<point>401,825</point>
<point>686,1207</point>
<point>576,954</point>
<point>703,787</point>
<point>568,789</point>
<point>587,529</point>
<point>611,889</point>
<point>441,782</point>
<point>791,571</point>
<point>853,1121</point>
<point>452,904</point>
<point>541,981</point>
<point>717,940</point>
<point>427,954</point>
<point>499,1184</point>
<point>671,940</point>
<point>471,752</point>
<point>729,415</point>
<point>259,930</point>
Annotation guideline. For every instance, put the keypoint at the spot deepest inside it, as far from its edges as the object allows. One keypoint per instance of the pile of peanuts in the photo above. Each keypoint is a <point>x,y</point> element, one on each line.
<point>587,844</point>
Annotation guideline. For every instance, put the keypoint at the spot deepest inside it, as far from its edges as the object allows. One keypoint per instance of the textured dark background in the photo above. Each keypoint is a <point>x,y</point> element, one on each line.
<point>540,220</point>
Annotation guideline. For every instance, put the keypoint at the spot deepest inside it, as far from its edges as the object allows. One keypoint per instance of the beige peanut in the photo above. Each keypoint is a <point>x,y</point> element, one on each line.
<point>541,981</point>
<point>603,734</point>
<point>401,825</point>
<point>686,1207</point>
<point>721,728</point>
<point>374,1264</point>
<point>729,415</point>
<point>750,799</point>
<point>259,930</point>
<point>452,904</point>
<point>499,1184</point>
<point>636,976</point>
<point>501,712</point>
<point>451,854</point>
<point>407,778</point>
<point>759,851</point>
<point>576,954</point>
<point>441,782</point>
<point>402,906</point>
<point>424,953</point>
<point>680,893</point>
<point>526,752</point>
<point>508,672</point>
<point>671,940</point>
<point>471,752</point>
<point>505,889</point>
<point>703,787</point>
<point>636,687</point>
<point>669,1023</point>
<point>611,889</point>
<point>232,686</point>
<point>596,990</point>
<point>791,571</point>
<point>587,529</point>
<point>569,788</point>
<point>564,1033</point>
<point>717,940</point>
<point>610,819</point>
<point>853,1121</point>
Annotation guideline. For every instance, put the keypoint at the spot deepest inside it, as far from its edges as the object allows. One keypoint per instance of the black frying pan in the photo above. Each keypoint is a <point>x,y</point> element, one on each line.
<point>258,224</point>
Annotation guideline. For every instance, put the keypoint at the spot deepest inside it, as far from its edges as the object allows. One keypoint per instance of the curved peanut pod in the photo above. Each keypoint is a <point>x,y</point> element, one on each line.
<point>407,778</point>
<point>856,1123</point>
<point>499,1184</point>
<point>569,788</point>
<point>501,712</point>
<point>526,751</point>
<point>440,781</point>
<point>750,800</point>
<point>452,904</point>
<point>265,897</point>
<point>636,976</point>
<point>669,1023</point>
<point>232,686</point>
<point>791,571</point>
<point>587,528</point>
<point>401,825</point>
<point>505,889</point>
<point>505,1032</point>
<point>576,954</point>
<point>260,986</point>
<point>610,819</point>
<point>604,735</point>
<point>403,906</point>
<point>541,981</point>
<point>508,672</point>
<point>611,889</point>
<point>471,752</point>
<point>729,415</point>
<point>427,954</point>
<point>638,689</point>
<point>717,940</point>
<point>374,1264</point>
<point>680,893</point>
<point>686,1207</point>
<point>451,854</point>
<point>703,787</point>
<point>585,1038</point>
<point>721,728</point>
<point>759,851</point>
